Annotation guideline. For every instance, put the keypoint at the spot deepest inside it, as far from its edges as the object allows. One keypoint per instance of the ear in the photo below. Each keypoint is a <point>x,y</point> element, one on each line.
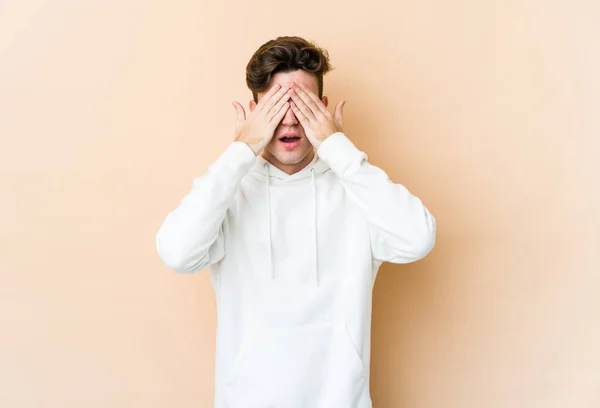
<point>252,105</point>
<point>325,101</point>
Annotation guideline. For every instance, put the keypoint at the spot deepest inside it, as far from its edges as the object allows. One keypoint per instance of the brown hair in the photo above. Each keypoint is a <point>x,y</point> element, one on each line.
<point>285,54</point>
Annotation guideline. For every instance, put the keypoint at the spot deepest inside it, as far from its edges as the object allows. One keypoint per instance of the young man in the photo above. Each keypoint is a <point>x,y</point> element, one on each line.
<point>293,240</point>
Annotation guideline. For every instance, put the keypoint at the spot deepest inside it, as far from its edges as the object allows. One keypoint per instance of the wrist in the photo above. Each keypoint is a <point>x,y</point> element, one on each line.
<point>250,145</point>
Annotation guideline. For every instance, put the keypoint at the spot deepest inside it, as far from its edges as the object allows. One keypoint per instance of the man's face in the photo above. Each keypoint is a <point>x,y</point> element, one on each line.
<point>286,156</point>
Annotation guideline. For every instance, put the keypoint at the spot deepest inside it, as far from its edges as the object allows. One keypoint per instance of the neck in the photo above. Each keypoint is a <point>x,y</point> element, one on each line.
<point>288,168</point>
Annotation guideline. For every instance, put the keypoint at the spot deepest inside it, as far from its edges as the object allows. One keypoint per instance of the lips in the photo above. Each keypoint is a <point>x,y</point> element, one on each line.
<point>290,141</point>
<point>289,136</point>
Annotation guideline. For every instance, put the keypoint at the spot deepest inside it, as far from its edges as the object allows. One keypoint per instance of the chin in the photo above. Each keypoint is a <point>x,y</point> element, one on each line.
<point>290,158</point>
<point>286,157</point>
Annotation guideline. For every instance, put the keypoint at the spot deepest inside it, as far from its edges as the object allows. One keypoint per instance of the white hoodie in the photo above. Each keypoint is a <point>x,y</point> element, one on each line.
<point>292,260</point>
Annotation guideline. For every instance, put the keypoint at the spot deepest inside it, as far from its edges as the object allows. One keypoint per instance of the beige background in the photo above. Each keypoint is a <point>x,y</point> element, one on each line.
<point>486,110</point>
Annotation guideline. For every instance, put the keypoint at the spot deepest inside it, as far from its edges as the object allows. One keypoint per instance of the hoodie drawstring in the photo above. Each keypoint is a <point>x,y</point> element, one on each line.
<point>314,193</point>
<point>269,238</point>
<point>269,219</point>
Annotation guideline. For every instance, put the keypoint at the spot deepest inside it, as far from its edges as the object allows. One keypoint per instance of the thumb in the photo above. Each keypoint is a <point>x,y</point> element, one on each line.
<point>338,115</point>
<point>241,113</point>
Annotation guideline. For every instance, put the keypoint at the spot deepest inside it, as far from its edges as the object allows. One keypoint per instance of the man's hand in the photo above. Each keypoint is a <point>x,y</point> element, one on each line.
<point>257,131</point>
<point>312,113</point>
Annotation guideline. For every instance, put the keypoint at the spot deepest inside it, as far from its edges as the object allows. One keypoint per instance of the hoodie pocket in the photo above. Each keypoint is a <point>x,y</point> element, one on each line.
<point>300,367</point>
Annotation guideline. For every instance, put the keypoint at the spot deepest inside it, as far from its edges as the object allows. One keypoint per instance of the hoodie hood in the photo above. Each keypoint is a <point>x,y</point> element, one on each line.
<point>262,166</point>
<point>274,176</point>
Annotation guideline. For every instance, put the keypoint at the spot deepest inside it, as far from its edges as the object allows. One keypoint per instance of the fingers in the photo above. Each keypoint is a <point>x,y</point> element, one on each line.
<point>302,107</point>
<point>241,113</point>
<point>301,117</point>
<point>271,98</point>
<point>280,114</point>
<point>275,110</point>
<point>338,115</point>
<point>310,99</point>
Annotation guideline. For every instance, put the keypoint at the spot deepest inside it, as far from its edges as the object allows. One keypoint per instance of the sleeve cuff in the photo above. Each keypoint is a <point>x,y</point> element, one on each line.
<point>339,153</point>
<point>238,158</point>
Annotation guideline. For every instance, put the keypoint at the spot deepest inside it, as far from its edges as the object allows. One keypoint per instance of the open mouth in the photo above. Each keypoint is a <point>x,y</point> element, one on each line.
<point>289,142</point>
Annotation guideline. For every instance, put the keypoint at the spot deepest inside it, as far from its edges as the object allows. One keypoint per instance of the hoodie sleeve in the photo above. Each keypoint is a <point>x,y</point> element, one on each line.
<point>191,236</point>
<point>401,229</point>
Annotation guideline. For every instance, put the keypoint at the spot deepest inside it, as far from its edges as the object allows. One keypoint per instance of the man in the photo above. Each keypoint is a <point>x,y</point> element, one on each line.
<point>293,240</point>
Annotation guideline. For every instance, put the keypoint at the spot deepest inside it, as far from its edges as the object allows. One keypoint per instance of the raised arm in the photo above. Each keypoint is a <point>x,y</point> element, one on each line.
<point>401,229</point>
<point>191,236</point>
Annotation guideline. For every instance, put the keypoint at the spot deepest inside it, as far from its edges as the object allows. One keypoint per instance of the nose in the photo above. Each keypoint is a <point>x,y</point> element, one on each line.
<point>289,119</point>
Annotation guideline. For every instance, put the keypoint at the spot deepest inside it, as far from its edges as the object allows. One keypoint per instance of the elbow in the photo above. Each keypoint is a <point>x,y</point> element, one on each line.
<point>416,248</point>
<point>427,241</point>
<point>425,245</point>
<point>176,259</point>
